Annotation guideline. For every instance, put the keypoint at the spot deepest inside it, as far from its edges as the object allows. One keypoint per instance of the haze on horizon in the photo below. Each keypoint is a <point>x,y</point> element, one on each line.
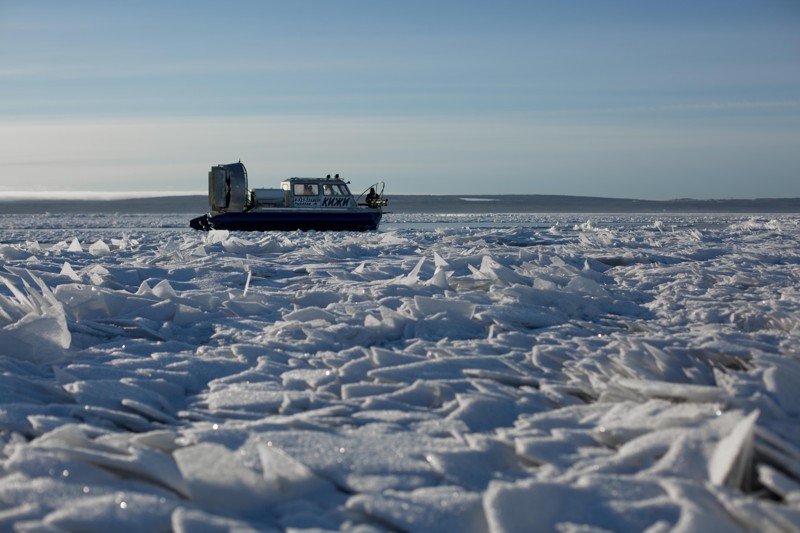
<point>614,99</point>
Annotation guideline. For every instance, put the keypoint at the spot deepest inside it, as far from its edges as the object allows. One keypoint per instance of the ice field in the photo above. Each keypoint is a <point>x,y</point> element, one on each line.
<point>467,373</point>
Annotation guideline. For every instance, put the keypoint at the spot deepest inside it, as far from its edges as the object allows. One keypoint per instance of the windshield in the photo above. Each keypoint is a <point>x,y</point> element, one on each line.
<point>334,189</point>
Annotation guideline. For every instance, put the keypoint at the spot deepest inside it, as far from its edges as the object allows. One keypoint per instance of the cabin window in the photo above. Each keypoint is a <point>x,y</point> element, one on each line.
<point>306,189</point>
<point>333,189</point>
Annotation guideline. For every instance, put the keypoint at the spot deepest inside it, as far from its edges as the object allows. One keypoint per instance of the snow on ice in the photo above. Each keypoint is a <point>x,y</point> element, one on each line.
<point>518,374</point>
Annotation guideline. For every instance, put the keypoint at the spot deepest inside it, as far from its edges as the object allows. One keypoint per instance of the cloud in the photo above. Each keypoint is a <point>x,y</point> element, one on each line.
<point>9,195</point>
<point>474,155</point>
<point>702,106</point>
<point>159,68</point>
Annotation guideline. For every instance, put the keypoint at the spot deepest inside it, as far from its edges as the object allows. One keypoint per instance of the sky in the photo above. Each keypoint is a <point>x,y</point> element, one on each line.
<point>617,98</point>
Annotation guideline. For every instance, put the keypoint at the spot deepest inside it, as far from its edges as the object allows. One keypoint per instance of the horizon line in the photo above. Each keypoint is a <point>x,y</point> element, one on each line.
<point>73,195</point>
<point>93,195</point>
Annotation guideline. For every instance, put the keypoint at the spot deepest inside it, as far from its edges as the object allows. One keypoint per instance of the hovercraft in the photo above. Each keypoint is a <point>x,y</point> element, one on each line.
<point>299,204</point>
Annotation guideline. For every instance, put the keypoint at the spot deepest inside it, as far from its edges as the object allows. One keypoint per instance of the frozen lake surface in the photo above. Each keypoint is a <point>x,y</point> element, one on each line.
<point>486,372</point>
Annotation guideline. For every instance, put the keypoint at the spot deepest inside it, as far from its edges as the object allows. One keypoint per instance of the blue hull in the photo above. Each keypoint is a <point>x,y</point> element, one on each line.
<point>286,220</point>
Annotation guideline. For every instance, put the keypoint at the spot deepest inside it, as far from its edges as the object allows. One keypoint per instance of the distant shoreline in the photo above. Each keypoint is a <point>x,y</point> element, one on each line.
<point>524,203</point>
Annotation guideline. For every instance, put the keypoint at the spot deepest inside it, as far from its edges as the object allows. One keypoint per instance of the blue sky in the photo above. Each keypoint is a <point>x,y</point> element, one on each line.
<point>638,99</point>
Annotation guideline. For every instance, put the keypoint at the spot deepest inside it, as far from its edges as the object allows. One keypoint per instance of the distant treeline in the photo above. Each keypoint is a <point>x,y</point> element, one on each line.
<point>539,203</point>
<point>522,203</point>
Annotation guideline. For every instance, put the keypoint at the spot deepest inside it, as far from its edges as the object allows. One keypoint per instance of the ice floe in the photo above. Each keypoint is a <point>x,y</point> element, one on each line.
<point>449,373</point>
